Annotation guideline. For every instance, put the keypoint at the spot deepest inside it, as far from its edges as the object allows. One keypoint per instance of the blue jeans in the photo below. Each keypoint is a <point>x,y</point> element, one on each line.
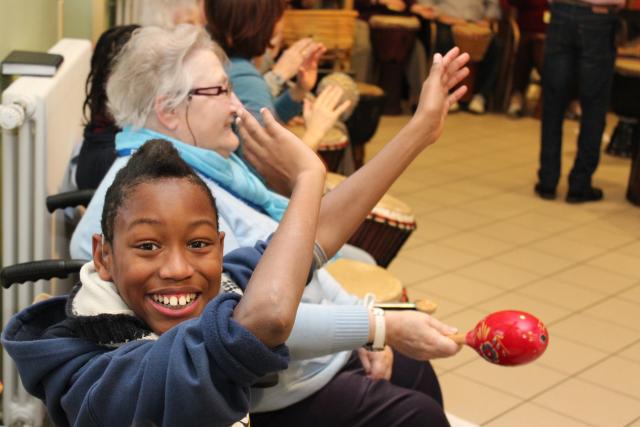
<point>580,45</point>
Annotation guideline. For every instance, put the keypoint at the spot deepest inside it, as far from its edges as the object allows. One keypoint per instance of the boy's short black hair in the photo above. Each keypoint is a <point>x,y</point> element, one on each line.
<point>156,159</point>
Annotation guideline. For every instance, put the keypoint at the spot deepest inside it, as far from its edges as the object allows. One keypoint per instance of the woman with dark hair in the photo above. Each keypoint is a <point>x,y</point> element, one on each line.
<point>98,148</point>
<point>244,29</point>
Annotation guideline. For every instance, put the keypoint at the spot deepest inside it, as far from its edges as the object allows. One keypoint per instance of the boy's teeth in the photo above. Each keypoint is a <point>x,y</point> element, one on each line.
<point>174,300</point>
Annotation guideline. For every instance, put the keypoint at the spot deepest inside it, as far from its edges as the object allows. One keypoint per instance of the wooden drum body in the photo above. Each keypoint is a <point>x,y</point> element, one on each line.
<point>386,228</point>
<point>392,40</point>
<point>359,279</point>
<point>364,120</point>
<point>625,93</point>
<point>474,40</point>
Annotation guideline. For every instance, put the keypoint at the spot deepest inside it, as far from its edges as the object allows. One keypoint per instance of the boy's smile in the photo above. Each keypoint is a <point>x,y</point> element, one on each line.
<point>166,254</point>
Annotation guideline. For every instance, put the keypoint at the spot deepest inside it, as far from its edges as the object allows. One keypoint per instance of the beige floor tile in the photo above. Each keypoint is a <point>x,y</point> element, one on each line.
<point>542,222</point>
<point>597,236</point>
<point>618,311</point>
<point>546,312</point>
<point>431,231</point>
<point>596,279</point>
<point>595,333</point>
<point>476,244</point>
<point>632,249</point>
<point>568,249</point>
<point>534,261</point>
<point>462,219</point>
<point>617,374</point>
<point>440,256</point>
<point>413,241</point>
<point>623,222</point>
<point>472,188</point>
<point>420,206</point>
<point>521,381</point>
<point>460,289</point>
<point>442,196</point>
<point>511,233</point>
<point>532,415</point>
<point>632,294</point>
<point>590,403</point>
<point>635,423</point>
<point>568,356</point>
<point>498,274</point>
<point>560,293</point>
<point>410,272</point>
<point>566,212</point>
<point>472,401</point>
<point>619,263</point>
<point>632,352</point>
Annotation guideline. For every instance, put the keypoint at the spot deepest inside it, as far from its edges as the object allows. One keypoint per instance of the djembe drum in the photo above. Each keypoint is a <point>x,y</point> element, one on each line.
<point>359,279</point>
<point>475,40</point>
<point>625,93</point>
<point>364,120</point>
<point>385,229</point>
<point>331,147</point>
<point>392,39</point>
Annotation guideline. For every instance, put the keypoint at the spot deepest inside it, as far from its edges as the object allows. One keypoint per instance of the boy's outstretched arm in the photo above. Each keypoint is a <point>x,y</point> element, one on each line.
<point>271,299</point>
<point>344,208</point>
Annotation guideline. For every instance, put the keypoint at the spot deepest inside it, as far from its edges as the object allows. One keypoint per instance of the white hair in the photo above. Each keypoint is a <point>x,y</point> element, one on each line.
<point>150,65</point>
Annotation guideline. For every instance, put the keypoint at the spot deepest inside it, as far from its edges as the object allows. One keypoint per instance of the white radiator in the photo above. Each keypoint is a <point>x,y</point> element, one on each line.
<point>35,154</point>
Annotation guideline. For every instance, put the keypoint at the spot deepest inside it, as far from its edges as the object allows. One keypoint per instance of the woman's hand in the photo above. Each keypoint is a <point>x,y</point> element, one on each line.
<point>292,59</point>
<point>277,154</point>
<point>423,11</point>
<point>308,71</point>
<point>418,335</point>
<point>435,99</point>
<point>378,365</point>
<point>321,115</point>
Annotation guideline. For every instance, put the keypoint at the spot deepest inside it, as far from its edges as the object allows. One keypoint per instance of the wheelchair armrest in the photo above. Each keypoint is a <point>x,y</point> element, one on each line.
<point>69,199</point>
<point>39,270</point>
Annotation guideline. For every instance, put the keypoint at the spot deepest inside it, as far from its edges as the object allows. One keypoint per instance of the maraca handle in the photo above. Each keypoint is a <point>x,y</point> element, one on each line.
<point>460,339</point>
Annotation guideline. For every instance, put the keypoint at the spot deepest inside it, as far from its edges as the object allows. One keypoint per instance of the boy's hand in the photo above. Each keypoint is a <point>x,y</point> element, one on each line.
<point>277,154</point>
<point>321,115</point>
<point>435,99</point>
<point>419,336</point>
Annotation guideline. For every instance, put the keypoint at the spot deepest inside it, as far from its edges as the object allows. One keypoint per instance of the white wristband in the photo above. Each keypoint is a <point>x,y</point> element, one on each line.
<point>379,334</point>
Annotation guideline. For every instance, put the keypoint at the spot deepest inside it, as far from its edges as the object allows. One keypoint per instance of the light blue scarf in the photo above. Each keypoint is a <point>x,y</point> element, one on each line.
<point>231,174</point>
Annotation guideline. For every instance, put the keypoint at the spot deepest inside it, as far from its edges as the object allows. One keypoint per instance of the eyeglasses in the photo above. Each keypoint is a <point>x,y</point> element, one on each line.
<point>211,91</point>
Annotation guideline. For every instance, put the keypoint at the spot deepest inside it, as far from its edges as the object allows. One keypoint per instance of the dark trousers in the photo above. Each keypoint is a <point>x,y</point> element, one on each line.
<point>529,55</point>
<point>411,398</point>
<point>579,46</point>
<point>489,67</point>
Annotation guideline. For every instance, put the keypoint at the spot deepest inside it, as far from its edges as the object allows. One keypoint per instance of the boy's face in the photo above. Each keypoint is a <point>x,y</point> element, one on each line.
<point>166,254</point>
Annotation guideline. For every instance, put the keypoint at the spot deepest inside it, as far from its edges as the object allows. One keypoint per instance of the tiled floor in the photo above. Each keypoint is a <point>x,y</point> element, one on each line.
<point>485,243</point>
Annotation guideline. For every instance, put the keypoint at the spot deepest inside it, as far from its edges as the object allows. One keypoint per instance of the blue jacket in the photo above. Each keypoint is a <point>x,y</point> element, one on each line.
<point>197,373</point>
<point>251,89</point>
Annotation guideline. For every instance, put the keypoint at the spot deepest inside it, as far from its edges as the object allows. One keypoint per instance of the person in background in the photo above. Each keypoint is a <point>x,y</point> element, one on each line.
<point>580,44</point>
<point>532,25</point>
<point>480,12</point>
<point>97,153</point>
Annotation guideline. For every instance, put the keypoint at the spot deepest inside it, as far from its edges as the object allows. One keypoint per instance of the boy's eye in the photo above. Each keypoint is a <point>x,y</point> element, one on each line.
<point>147,246</point>
<point>198,244</point>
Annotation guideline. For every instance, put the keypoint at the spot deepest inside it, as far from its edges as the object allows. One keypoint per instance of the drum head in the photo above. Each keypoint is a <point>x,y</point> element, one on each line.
<point>358,278</point>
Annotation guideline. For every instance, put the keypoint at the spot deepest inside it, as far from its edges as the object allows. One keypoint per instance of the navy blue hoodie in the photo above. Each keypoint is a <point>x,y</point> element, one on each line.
<point>196,374</point>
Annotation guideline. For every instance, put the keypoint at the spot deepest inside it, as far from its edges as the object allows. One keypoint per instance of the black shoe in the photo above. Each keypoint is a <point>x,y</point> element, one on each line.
<point>591,194</point>
<point>545,193</point>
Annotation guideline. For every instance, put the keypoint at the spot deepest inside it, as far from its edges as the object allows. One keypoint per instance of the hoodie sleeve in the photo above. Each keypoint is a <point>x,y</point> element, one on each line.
<point>198,370</point>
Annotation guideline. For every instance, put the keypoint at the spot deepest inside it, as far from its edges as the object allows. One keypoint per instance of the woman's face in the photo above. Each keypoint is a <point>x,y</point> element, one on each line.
<point>166,254</point>
<point>205,119</point>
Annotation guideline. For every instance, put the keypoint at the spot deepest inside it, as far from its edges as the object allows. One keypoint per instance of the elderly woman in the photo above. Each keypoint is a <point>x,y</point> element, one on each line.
<point>178,90</point>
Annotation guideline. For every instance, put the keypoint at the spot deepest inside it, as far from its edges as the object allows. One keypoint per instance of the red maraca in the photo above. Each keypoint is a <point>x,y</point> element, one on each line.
<point>507,338</point>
